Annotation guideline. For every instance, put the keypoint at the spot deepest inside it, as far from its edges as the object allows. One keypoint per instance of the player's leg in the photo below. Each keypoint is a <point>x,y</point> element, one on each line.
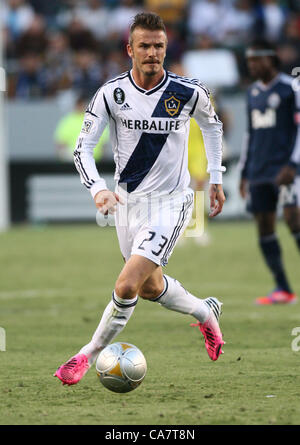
<point>114,318</point>
<point>271,251</point>
<point>263,204</point>
<point>292,218</point>
<point>176,298</point>
<point>75,368</point>
<point>173,295</point>
<point>119,310</point>
<point>157,244</point>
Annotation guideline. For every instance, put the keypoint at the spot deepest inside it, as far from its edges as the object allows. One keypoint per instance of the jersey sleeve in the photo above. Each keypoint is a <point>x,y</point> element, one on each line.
<point>95,120</point>
<point>212,131</point>
<point>295,157</point>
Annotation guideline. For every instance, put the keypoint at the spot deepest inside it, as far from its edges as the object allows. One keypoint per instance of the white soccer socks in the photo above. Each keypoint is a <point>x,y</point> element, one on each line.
<point>117,313</point>
<point>176,298</point>
<point>114,319</point>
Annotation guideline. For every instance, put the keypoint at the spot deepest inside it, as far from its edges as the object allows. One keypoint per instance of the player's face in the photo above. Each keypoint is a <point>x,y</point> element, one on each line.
<point>148,51</point>
<point>259,67</point>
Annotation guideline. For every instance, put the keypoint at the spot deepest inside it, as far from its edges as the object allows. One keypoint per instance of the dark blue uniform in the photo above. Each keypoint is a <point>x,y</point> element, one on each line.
<point>273,139</point>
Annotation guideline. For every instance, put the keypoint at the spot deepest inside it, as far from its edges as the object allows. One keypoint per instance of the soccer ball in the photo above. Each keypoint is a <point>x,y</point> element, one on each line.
<point>121,367</point>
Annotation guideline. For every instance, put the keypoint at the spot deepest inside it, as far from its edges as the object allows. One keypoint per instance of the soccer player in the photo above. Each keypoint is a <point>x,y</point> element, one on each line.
<point>148,111</point>
<point>270,158</point>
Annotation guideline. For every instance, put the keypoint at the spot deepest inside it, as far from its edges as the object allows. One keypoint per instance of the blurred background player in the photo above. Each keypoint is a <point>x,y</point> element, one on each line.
<point>270,158</point>
<point>69,127</point>
<point>197,165</point>
<point>197,162</point>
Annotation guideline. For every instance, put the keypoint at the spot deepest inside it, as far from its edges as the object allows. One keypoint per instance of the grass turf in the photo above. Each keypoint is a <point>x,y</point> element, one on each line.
<point>55,283</point>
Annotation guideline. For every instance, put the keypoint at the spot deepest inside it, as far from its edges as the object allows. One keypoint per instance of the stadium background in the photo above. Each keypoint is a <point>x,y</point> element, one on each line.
<point>55,51</point>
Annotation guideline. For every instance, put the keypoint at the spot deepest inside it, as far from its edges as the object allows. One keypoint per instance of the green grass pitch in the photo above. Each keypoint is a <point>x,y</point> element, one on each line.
<point>54,284</point>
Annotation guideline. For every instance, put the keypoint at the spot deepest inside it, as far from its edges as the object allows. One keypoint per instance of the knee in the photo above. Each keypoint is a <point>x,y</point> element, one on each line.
<point>126,289</point>
<point>148,291</point>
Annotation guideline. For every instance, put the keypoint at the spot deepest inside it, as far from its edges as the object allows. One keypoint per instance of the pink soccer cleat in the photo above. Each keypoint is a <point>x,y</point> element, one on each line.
<point>277,296</point>
<point>73,370</point>
<point>211,330</point>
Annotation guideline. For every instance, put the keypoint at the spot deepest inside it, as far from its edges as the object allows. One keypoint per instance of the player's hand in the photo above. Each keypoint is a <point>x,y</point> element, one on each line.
<point>243,187</point>
<point>106,201</point>
<point>217,199</point>
<point>286,175</point>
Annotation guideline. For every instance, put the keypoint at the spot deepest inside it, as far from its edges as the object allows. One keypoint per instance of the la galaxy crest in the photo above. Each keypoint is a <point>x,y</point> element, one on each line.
<point>172,105</point>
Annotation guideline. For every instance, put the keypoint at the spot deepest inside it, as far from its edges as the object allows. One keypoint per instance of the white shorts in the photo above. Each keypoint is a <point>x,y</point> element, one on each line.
<point>151,226</point>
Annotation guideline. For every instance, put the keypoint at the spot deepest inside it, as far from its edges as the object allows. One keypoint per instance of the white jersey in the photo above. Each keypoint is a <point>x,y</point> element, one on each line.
<point>149,132</point>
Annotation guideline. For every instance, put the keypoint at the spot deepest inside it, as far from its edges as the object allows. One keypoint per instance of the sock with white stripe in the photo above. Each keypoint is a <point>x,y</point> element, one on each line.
<point>176,298</point>
<point>113,321</point>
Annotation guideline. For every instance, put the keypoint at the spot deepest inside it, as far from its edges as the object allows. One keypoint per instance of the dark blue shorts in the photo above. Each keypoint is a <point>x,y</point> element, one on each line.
<point>264,197</point>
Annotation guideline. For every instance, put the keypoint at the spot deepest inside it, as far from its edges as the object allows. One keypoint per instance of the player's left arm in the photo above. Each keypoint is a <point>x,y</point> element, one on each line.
<point>288,172</point>
<point>212,131</point>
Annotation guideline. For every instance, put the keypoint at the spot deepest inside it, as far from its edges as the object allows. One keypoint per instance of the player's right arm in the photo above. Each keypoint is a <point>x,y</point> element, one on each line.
<point>95,120</point>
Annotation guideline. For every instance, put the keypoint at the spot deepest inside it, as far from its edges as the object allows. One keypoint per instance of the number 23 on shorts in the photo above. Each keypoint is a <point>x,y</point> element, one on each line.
<point>161,245</point>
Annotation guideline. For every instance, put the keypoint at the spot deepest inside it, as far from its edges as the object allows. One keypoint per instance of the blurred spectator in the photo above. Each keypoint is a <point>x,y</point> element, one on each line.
<point>122,16</point>
<point>204,18</point>
<point>292,28</point>
<point>47,8</point>
<point>95,16</point>
<point>270,19</point>
<point>288,54</point>
<point>294,5</point>
<point>59,60</point>
<point>235,27</point>
<point>237,23</point>
<point>32,80</point>
<point>17,17</point>
<point>289,47</point>
<point>115,63</point>
<point>172,11</point>
<point>86,73</point>
<point>68,129</point>
<point>176,45</point>
<point>202,41</point>
<point>35,39</point>
<point>80,37</point>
